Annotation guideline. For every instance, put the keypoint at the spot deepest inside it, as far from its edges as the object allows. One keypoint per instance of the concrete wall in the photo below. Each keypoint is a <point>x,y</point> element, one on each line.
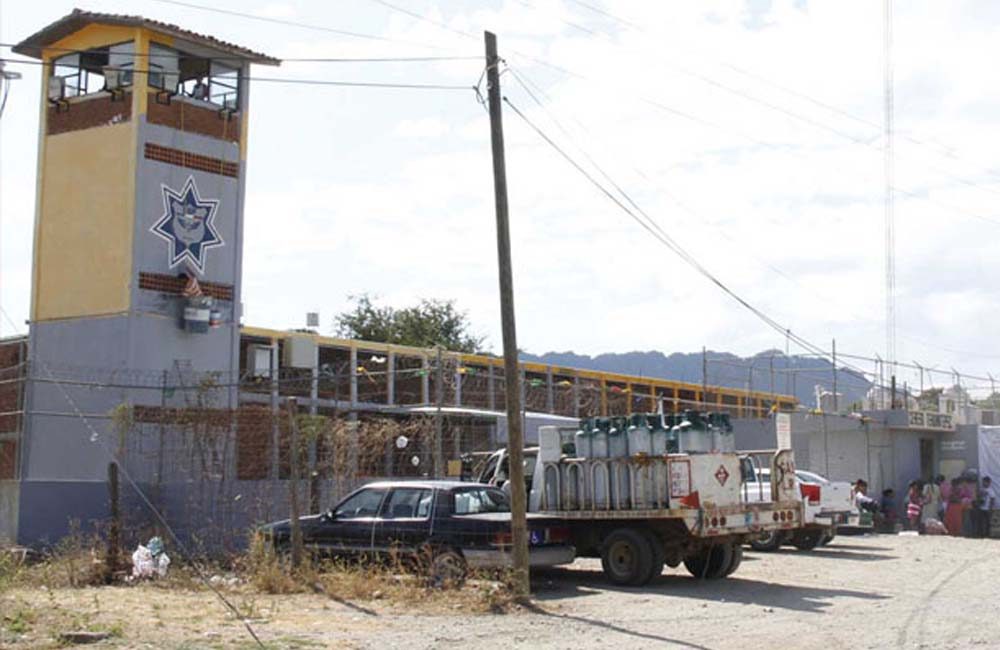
<point>9,498</point>
<point>845,448</point>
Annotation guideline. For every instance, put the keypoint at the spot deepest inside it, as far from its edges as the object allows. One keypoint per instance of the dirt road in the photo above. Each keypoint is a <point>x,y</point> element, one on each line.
<point>860,592</point>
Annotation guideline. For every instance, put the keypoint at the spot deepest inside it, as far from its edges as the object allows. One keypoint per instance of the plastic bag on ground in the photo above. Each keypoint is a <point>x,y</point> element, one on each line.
<point>150,561</point>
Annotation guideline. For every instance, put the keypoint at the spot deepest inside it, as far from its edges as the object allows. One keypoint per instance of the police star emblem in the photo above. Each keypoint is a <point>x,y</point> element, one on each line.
<point>187,225</point>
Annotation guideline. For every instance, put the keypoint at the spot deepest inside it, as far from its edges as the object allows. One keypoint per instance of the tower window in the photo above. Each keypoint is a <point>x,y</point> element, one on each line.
<point>91,71</point>
<point>198,78</point>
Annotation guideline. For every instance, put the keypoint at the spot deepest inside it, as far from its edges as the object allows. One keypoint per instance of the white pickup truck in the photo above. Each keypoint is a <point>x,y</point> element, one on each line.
<point>828,504</point>
<point>640,512</point>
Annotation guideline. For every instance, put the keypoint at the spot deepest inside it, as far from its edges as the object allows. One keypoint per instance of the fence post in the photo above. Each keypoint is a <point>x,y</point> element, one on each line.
<point>293,483</point>
<point>112,560</point>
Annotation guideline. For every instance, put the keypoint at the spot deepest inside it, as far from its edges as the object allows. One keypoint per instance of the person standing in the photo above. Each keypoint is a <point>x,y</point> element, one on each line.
<point>944,487</point>
<point>914,504</point>
<point>953,511</point>
<point>932,502</point>
<point>985,502</point>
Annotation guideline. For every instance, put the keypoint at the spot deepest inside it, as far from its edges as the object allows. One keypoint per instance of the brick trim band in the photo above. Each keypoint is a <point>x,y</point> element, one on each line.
<point>191,160</point>
<point>174,285</point>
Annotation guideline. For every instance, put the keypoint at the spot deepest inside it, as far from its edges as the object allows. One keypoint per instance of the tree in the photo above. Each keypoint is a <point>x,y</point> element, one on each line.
<point>429,323</point>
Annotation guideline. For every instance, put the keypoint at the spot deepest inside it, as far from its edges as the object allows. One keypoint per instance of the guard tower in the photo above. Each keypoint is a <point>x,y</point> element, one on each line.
<point>137,245</point>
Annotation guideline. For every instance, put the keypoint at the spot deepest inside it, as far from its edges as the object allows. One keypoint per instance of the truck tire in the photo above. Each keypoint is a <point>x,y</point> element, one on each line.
<point>711,563</point>
<point>769,541</point>
<point>659,555</point>
<point>829,537</point>
<point>627,557</point>
<point>736,561</point>
<point>806,539</point>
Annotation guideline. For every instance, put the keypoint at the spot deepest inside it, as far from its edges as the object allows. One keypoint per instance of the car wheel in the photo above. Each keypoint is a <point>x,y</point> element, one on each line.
<point>769,541</point>
<point>829,537</point>
<point>448,569</point>
<point>711,563</point>
<point>627,557</point>
<point>807,539</point>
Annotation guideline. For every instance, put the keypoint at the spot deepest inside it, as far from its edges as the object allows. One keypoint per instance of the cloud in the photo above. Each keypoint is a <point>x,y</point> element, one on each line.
<point>753,139</point>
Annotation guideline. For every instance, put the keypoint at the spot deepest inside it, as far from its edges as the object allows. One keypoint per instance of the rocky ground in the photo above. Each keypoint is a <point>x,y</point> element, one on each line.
<point>859,592</point>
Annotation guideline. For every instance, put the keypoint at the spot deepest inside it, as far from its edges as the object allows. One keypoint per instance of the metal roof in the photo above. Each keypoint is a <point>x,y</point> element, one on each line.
<point>78,19</point>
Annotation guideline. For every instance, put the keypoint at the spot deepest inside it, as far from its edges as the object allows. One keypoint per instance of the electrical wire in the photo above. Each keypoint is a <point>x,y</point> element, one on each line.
<point>309,82</point>
<point>96,438</point>
<point>183,56</point>
<point>653,229</point>
<point>947,151</point>
<point>290,23</point>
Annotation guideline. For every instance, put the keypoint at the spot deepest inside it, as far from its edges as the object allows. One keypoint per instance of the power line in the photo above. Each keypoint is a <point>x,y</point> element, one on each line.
<point>290,23</point>
<point>423,18</point>
<point>183,56</point>
<point>947,151</point>
<point>650,225</point>
<point>309,82</point>
<point>95,437</point>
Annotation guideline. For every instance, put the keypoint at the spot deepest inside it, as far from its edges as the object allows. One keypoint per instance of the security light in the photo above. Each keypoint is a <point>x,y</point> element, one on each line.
<point>57,93</point>
<point>114,80</point>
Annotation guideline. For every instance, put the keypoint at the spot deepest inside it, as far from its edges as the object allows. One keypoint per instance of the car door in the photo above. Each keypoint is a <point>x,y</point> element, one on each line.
<point>349,526</point>
<point>404,522</point>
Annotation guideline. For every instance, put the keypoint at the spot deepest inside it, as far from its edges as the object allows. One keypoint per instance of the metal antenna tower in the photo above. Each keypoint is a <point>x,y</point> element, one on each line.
<point>890,226</point>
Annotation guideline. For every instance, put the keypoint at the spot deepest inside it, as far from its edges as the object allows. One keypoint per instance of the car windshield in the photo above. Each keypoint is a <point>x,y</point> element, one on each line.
<point>476,500</point>
<point>360,504</point>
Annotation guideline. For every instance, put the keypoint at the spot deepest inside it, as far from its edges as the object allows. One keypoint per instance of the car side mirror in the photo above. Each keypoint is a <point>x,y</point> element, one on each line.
<point>329,515</point>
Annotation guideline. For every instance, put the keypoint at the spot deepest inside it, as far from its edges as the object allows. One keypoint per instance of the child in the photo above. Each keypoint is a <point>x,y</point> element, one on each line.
<point>887,511</point>
<point>914,504</point>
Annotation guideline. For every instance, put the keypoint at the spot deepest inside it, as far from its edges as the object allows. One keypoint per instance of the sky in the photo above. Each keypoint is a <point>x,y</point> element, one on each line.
<point>750,131</point>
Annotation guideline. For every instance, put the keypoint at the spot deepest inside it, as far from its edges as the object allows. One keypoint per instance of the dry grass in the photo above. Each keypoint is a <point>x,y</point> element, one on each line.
<point>66,590</point>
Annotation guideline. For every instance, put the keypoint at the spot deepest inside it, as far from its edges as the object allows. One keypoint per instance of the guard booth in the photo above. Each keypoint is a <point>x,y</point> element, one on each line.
<point>137,249</point>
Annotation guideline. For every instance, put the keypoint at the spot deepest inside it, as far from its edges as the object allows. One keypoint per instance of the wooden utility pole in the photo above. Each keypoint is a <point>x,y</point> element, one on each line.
<point>704,378</point>
<point>836,400</point>
<point>294,484</point>
<point>438,420</point>
<point>512,376</point>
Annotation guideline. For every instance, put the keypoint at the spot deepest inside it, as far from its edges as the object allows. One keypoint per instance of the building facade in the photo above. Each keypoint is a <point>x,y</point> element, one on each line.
<point>135,353</point>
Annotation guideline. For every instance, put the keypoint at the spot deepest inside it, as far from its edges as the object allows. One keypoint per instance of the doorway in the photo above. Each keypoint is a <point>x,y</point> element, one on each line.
<point>926,458</point>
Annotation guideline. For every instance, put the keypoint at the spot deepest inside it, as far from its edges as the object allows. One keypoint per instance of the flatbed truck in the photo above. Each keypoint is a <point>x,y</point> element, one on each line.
<point>638,513</point>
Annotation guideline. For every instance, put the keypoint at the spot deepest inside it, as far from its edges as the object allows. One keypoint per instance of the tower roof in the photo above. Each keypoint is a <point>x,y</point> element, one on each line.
<point>74,22</point>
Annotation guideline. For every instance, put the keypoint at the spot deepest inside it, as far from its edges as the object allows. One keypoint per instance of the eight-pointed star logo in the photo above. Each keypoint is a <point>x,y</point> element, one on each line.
<point>187,225</point>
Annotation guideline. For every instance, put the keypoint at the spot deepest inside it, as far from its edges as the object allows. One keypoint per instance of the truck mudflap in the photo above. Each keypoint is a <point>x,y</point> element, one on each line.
<point>747,518</point>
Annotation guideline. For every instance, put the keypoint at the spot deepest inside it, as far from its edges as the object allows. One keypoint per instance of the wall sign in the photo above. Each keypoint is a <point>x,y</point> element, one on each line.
<point>929,420</point>
<point>187,225</point>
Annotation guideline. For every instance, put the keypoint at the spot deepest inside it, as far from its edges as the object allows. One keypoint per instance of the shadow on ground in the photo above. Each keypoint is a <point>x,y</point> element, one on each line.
<point>613,627</point>
<point>559,584</point>
<point>839,553</point>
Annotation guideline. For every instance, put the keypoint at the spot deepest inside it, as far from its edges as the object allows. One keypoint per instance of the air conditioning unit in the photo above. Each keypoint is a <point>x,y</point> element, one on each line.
<point>259,361</point>
<point>300,352</point>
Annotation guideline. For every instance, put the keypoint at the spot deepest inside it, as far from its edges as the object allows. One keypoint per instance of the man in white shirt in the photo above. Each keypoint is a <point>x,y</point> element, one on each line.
<point>986,501</point>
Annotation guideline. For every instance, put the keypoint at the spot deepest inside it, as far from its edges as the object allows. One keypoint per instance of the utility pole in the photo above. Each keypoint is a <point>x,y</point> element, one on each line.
<point>512,375</point>
<point>438,420</point>
<point>771,368</point>
<point>704,377</point>
<point>836,401</point>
